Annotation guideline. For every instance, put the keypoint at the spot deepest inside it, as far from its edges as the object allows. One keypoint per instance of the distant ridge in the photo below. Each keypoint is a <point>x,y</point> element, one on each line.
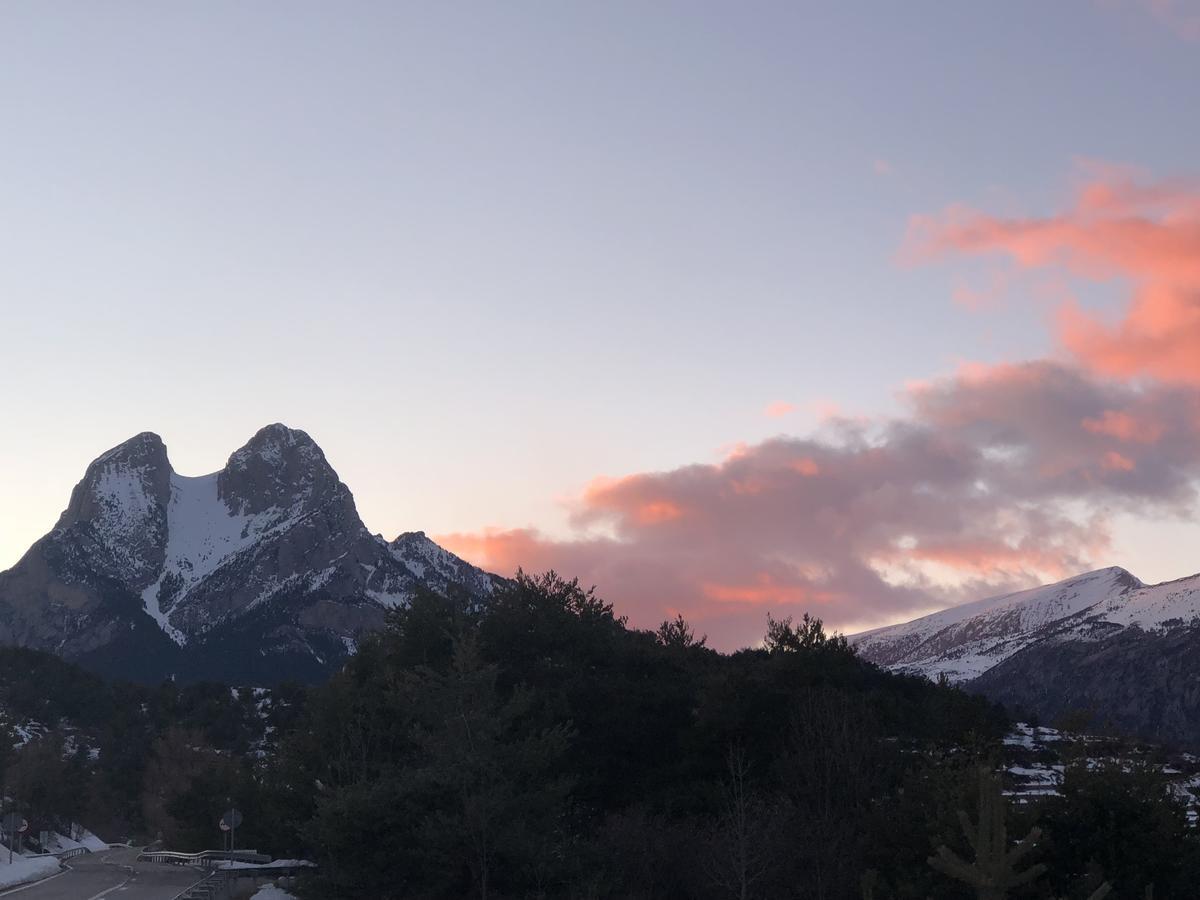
<point>1103,645</point>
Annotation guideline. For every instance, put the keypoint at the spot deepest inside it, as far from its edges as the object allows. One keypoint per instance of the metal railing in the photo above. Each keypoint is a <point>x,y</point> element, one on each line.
<point>213,886</point>
<point>203,858</point>
<point>62,854</point>
<point>216,884</point>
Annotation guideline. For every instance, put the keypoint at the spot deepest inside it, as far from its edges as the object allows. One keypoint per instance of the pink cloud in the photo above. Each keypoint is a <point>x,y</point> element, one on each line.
<point>1118,228</point>
<point>779,409</point>
<point>997,478</point>
<point>994,478</point>
<point>1125,426</point>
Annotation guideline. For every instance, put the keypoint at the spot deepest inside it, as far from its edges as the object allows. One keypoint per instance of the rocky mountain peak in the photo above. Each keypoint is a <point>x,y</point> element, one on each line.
<point>278,468</point>
<point>1124,577</point>
<point>120,505</point>
<point>143,456</point>
<point>262,569</point>
<point>144,447</point>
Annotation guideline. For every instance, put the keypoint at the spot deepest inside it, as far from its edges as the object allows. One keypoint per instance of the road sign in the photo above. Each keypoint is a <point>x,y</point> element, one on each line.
<point>14,824</point>
<point>229,823</point>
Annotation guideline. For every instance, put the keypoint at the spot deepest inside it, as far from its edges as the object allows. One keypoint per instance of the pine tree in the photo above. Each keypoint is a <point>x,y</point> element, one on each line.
<point>495,776</point>
<point>993,872</point>
<point>678,633</point>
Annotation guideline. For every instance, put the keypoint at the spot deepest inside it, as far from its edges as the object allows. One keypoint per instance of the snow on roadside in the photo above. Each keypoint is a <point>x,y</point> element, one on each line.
<point>86,840</point>
<point>26,868</point>
<point>92,842</point>
<point>274,864</point>
<point>270,892</point>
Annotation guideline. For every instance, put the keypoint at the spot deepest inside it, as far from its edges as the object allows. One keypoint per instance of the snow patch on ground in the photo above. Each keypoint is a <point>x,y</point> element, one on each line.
<point>25,868</point>
<point>1036,761</point>
<point>270,892</point>
<point>59,842</point>
<point>26,732</point>
<point>92,842</point>
<point>81,838</point>
<point>1027,736</point>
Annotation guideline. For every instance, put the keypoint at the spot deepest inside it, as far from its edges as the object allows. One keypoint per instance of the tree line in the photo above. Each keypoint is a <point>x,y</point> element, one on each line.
<point>542,748</point>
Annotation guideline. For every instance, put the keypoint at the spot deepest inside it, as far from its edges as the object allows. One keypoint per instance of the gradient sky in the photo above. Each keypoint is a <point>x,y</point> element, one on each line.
<point>863,308</point>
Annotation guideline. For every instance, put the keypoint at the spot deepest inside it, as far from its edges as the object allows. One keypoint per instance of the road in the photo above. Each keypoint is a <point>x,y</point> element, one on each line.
<point>115,874</point>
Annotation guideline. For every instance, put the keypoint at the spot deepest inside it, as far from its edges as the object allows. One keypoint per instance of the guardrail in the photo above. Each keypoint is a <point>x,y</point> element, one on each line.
<point>216,884</point>
<point>212,886</point>
<point>204,857</point>
<point>62,854</point>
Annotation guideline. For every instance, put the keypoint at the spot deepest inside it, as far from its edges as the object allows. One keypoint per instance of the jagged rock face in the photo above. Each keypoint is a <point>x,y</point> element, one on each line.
<point>262,569</point>
<point>279,469</point>
<point>118,512</point>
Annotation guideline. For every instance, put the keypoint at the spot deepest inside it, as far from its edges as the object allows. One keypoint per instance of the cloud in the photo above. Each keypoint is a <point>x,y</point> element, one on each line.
<point>997,477</point>
<point>779,409</point>
<point>993,478</point>
<point>1121,228</point>
<point>1123,426</point>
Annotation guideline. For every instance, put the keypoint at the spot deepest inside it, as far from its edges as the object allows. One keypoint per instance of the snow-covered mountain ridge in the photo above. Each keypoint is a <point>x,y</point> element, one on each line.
<point>152,573</point>
<point>966,641</point>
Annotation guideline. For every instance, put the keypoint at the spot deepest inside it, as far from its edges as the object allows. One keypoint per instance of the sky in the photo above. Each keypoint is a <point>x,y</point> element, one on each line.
<point>729,309</point>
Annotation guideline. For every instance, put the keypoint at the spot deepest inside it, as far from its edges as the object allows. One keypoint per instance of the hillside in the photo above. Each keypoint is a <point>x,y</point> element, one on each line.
<point>1102,646</point>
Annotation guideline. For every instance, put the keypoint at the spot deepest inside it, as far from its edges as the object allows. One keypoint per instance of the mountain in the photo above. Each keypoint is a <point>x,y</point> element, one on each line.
<point>1102,645</point>
<point>256,573</point>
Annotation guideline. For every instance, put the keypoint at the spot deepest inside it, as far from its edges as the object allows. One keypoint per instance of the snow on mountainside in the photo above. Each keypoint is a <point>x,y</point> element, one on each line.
<point>1101,647</point>
<point>1156,606</point>
<point>266,559</point>
<point>202,533</point>
<point>965,641</point>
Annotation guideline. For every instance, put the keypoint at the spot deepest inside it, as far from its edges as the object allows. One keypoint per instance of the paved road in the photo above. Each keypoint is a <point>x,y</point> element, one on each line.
<point>114,874</point>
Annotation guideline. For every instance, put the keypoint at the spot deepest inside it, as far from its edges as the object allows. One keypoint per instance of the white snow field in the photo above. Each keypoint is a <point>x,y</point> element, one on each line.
<point>202,533</point>
<point>25,868</point>
<point>965,641</point>
<point>270,892</point>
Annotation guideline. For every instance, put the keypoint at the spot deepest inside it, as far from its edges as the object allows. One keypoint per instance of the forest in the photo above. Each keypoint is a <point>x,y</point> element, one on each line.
<point>539,747</point>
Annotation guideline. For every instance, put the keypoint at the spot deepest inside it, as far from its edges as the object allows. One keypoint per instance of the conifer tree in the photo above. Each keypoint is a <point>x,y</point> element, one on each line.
<point>993,872</point>
<point>490,779</point>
